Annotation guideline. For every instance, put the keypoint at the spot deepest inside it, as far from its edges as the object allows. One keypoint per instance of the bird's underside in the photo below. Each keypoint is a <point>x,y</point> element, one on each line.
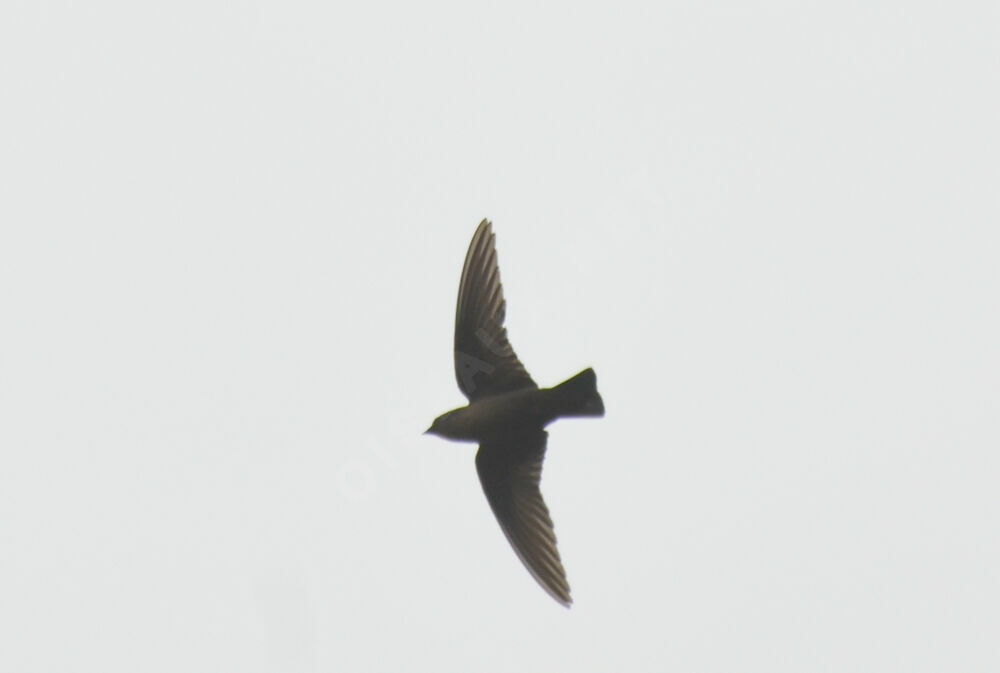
<point>510,456</point>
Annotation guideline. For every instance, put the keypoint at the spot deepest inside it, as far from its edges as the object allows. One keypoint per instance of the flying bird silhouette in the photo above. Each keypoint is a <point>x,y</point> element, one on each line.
<point>507,414</point>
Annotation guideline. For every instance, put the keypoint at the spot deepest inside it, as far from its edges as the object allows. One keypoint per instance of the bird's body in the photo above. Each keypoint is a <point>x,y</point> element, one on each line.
<point>493,415</point>
<point>524,408</point>
<point>507,414</point>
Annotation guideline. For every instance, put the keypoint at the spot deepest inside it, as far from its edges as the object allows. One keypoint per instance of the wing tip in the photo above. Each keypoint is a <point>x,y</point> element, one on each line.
<point>485,229</point>
<point>565,601</point>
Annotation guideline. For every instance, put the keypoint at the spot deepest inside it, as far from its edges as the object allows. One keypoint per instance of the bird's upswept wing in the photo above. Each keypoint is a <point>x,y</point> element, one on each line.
<point>510,469</point>
<point>485,363</point>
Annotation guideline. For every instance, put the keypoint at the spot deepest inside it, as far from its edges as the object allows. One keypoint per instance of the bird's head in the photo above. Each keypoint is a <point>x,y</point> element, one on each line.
<point>445,425</point>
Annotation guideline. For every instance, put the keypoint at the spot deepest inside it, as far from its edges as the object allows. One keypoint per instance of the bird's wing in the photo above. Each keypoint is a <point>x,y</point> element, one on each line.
<point>485,363</point>
<point>510,469</point>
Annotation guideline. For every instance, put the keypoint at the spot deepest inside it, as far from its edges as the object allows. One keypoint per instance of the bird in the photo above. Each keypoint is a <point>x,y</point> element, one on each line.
<point>507,415</point>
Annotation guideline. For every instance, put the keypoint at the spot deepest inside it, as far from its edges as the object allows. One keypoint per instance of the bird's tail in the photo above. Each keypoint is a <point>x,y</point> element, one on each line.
<point>578,396</point>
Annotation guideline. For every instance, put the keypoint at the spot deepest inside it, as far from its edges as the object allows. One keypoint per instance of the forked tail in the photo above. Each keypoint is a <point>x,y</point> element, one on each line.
<point>578,396</point>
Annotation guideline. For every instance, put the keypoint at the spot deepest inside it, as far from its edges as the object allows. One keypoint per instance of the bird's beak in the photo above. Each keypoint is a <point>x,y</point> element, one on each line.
<point>428,430</point>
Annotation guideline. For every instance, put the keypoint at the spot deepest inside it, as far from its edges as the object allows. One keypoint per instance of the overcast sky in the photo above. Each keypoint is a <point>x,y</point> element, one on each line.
<point>230,243</point>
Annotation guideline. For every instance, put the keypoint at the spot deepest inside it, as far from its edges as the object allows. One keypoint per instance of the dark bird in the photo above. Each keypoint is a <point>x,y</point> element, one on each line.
<point>507,415</point>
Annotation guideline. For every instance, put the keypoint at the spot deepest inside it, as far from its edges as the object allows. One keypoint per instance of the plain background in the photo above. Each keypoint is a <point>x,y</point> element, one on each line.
<point>231,241</point>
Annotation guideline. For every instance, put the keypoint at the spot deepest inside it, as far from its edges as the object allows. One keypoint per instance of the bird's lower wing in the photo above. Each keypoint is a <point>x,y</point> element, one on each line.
<point>510,469</point>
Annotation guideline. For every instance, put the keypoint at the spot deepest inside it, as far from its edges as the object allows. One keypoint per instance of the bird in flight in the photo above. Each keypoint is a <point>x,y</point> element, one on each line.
<point>507,414</point>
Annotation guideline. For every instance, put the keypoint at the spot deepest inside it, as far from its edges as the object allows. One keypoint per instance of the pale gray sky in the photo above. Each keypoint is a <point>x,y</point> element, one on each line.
<point>231,241</point>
